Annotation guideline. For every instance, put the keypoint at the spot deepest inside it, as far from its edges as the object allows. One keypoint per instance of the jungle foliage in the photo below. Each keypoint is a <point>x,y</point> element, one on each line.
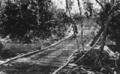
<point>24,20</point>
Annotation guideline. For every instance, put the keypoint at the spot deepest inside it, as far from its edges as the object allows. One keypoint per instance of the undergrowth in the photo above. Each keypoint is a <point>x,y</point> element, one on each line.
<point>93,64</point>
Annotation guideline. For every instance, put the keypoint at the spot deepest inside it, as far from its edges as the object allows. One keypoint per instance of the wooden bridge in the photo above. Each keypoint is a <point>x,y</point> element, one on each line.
<point>56,55</point>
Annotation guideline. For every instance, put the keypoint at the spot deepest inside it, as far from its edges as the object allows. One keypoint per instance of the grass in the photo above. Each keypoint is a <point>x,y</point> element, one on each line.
<point>13,49</point>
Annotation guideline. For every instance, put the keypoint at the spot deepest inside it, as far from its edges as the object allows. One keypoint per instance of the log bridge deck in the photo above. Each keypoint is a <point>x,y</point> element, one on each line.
<point>55,56</point>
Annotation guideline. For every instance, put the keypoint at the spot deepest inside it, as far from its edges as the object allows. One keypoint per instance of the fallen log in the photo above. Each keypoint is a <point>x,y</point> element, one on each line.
<point>68,61</point>
<point>37,51</point>
<point>89,49</point>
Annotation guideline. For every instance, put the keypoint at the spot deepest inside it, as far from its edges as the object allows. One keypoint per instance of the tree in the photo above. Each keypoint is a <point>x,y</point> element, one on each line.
<point>19,18</point>
<point>111,8</point>
<point>39,17</point>
<point>60,21</point>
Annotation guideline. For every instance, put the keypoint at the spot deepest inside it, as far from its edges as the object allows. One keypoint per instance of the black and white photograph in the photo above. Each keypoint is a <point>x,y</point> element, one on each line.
<point>59,36</point>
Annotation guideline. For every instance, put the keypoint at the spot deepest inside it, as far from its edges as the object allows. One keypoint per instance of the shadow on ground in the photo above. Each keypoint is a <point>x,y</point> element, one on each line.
<point>25,68</point>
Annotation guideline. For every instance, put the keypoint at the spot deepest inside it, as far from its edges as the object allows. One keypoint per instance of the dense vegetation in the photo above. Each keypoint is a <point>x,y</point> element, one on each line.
<point>25,20</point>
<point>111,10</point>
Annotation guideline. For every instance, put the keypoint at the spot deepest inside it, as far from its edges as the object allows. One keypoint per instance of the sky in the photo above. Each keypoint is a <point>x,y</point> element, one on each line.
<point>75,9</point>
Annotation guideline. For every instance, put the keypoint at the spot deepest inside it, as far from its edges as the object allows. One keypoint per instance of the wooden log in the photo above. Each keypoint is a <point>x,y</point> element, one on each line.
<point>89,50</point>
<point>68,60</point>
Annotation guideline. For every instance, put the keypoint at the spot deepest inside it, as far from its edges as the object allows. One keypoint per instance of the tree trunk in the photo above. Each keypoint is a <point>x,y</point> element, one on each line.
<point>117,46</point>
<point>97,36</point>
